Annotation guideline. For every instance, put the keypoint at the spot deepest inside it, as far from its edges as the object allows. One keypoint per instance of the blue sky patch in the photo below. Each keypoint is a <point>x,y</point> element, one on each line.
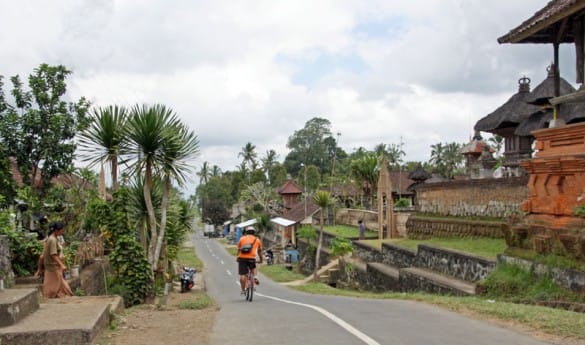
<point>309,71</point>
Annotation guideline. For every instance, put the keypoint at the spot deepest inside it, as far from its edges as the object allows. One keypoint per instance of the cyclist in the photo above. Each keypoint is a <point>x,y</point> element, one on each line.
<point>247,257</point>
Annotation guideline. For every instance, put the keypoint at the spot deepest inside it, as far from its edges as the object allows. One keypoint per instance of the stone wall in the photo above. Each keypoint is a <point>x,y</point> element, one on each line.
<point>92,278</point>
<point>455,264</point>
<point>569,279</point>
<point>350,216</point>
<point>424,227</point>
<point>6,272</point>
<point>497,198</point>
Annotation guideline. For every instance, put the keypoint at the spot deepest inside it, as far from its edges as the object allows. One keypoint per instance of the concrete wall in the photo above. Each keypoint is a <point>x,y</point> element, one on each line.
<point>467,198</point>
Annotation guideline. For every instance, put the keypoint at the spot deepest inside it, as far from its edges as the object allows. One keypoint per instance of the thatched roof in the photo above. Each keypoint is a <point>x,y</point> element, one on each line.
<point>569,112</point>
<point>511,113</point>
<point>540,29</point>
<point>419,174</point>
<point>546,90</point>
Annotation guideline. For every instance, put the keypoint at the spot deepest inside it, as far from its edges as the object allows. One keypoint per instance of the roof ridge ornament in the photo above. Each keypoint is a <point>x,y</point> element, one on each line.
<point>524,84</point>
<point>550,70</point>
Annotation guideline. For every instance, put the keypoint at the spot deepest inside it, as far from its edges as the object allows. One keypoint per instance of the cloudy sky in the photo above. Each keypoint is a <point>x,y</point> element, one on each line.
<point>383,71</point>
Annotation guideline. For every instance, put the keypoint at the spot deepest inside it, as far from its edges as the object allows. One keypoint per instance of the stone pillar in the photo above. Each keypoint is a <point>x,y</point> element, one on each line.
<point>385,204</point>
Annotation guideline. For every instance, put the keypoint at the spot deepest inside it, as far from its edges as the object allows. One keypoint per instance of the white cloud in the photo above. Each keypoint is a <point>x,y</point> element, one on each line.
<point>380,71</point>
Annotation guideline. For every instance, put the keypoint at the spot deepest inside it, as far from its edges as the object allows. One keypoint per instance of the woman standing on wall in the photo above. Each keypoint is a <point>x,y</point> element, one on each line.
<point>51,261</point>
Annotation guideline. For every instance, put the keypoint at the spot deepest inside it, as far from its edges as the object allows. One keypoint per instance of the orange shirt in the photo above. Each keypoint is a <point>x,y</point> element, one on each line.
<point>256,247</point>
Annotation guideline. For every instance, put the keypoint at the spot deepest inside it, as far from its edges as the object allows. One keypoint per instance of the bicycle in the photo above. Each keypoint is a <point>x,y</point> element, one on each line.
<point>249,285</point>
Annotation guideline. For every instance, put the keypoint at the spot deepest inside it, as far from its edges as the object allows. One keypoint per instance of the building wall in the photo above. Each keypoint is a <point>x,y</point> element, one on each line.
<point>496,198</point>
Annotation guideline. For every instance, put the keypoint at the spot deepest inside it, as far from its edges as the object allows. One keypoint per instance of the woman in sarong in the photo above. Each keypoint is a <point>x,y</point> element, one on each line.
<point>51,261</point>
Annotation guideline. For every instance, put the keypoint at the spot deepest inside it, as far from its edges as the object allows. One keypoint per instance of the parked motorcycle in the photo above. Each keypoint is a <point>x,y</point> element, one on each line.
<point>269,256</point>
<point>187,278</point>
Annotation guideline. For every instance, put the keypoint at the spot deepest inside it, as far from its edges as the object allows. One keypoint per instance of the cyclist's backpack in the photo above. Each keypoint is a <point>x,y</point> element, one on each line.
<point>246,248</point>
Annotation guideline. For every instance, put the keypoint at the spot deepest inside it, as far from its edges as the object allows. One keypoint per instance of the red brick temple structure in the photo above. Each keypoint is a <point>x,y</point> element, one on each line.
<point>557,169</point>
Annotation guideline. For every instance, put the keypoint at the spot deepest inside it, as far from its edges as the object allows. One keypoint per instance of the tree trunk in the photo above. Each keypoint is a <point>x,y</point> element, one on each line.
<point>319,245</point>
<point>151,215</point>
<point>163,219</point>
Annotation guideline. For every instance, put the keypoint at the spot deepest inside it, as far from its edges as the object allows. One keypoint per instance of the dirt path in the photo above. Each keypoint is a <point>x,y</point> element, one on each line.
<point>150,325</point>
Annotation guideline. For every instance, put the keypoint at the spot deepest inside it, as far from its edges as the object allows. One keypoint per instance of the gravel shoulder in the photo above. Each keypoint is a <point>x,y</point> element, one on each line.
<point>150,324</point>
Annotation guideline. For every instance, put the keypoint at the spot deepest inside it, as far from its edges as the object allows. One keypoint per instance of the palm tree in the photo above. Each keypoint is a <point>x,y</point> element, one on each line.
<point>323,200</point>
<point>395,154</point>
<point>268,162</point>
<point>102,140</point>
<point>452,157</point>
<point>215,171</point>
<point>204,173</point>
<point>180,146</point>
<point>146,134</point>
<point>249,154</point>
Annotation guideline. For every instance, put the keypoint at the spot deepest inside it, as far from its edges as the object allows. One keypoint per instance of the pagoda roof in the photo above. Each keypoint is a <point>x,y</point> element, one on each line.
<point>290,187</point>
<point>546,89</point>
<point>569,112</point>
<point>476,146</point>
<point>540,28</point>
<point>511,113</point>
<point>419,174</point>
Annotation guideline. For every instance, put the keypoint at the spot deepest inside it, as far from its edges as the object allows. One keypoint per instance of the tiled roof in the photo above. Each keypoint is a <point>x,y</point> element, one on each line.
<point>538,28</point>
<point>297,212</point>
<point>290,187</point>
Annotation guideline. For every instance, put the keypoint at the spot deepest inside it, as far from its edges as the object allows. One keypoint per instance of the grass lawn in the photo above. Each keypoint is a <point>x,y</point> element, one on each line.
<point>487,248</point>
<point>279,273</point>
<point>347,231</point>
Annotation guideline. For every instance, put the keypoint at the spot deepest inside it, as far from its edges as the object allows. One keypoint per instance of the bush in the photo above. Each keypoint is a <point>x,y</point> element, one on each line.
<point>25,250</point>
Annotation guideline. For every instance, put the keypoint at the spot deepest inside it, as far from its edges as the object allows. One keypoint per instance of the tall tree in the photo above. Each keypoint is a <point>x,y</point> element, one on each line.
<point>322,199</point>
<point>38,130</point>
<point>180,146</point>
<point>308,146</point>
<point>453,158</point>
<point>268,162</point>
<point>365,170</point>
<point>147,131</point>
<point>204,173</point>
<point>101,141</point>
<point>249,155</point>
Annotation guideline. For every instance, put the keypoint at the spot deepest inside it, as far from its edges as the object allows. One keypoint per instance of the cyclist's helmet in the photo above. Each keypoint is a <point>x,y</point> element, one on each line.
<point>250,230</point>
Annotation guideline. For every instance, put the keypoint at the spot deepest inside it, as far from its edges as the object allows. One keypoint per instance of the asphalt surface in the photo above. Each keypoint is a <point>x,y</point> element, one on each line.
<point>280,315</point>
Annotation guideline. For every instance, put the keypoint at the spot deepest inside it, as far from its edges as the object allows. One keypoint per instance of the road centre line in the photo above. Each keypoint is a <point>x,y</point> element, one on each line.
<point>362,336</point>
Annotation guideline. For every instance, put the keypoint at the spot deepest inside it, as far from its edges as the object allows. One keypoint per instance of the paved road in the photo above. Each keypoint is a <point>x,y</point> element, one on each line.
<point>280,315</point>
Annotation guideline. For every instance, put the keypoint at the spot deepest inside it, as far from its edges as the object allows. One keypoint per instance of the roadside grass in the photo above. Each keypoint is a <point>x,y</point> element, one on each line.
<point>487,248</point>
<point>514,284</point>
<point>555,322</point>
<point>280,274</point>
<point>186,257</point>
<point>347,231</point>
<point>199,301</point>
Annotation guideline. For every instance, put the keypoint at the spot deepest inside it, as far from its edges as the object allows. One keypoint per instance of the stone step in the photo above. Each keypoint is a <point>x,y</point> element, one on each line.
<point>16,304</point>
<point>419,279</point>
<point>63,321</point>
